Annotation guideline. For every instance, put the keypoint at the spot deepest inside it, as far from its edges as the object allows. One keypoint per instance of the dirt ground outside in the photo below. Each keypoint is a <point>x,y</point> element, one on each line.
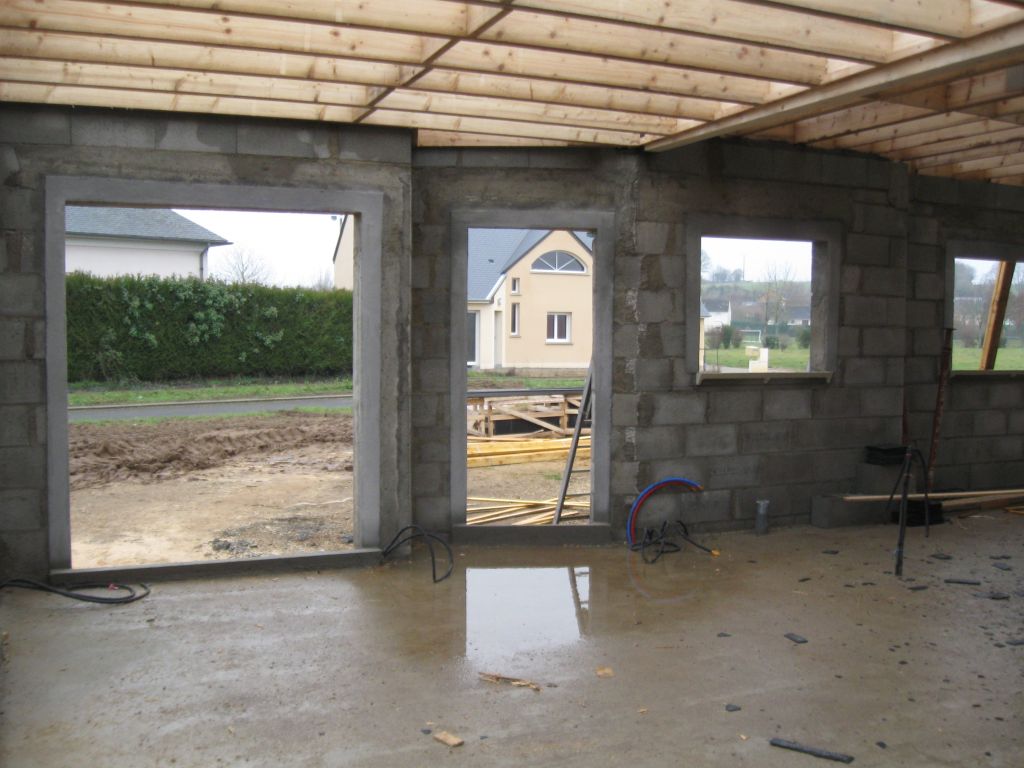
<point>182,490</point>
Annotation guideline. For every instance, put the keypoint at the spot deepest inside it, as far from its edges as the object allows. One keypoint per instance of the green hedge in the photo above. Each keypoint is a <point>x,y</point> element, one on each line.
<point>159,329</point>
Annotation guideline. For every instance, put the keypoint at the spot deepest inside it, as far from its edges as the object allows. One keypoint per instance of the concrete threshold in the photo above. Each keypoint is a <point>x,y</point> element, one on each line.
<point>353,558</point>
<point>532,535</point>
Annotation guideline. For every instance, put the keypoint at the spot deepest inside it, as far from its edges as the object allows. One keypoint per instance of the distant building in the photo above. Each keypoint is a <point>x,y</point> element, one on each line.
<point>107,242</point>
<point>530,299</point>
<point>719,313</point>
<point>799,316</point>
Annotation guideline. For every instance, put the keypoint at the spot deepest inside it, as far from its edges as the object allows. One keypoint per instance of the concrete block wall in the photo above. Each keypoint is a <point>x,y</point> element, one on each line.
<point>982,437</point>
<point>36,142</point>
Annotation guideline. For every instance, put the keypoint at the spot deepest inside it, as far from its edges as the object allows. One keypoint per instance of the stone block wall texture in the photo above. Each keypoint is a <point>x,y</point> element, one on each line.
<point>36,142</point>
<point>785,441</point>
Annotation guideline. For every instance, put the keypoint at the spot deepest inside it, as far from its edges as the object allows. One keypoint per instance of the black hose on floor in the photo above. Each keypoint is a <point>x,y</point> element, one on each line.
<point>411,532</point>
<point>75,593</point>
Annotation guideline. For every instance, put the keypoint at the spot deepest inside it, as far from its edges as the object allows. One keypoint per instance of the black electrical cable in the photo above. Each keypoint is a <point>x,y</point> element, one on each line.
<point>660,540</point>
<point>74,592</point>
<point>411,532</point>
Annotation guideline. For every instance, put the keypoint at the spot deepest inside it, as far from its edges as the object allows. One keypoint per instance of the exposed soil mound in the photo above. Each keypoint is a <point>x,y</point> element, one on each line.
<point>147,452</point>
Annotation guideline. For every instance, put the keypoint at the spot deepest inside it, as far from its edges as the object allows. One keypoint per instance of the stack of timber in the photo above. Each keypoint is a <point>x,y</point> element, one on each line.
<point>482,511</point>
<point>509,449</point>
<point>551,413</point>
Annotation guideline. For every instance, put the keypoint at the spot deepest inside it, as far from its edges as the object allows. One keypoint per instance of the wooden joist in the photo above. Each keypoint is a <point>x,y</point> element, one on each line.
<point>935,496</point>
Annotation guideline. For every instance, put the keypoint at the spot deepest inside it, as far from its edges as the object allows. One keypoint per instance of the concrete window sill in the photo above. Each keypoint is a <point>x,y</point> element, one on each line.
<point>766,378</point>
<point>985,374</point>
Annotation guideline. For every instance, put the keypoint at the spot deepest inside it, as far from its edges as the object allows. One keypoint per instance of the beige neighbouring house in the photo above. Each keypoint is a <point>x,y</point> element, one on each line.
<point>530,299</point>
<point>345,254</point>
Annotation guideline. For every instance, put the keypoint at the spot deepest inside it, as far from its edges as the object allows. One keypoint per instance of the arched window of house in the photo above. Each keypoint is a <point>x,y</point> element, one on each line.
<point>557,261</point>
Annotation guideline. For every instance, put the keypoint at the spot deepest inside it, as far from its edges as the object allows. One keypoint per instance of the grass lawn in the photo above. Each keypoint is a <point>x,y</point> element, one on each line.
<point>792,359</point>
<point>1007,359</point>
<point>108,393</point>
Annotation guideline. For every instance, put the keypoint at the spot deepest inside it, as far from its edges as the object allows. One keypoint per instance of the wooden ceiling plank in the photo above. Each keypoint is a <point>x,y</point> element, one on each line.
<point>982,164</point>
<point>479,106</point>
<point>658,47</point>
<point>183,81</point>
<point>738,21</point>
<point>865,116</point>
<point>212,28</point>
<point>965,93</point>
<point>864,141</point>
<point>434,138</point>
<point>959,137</point>
<point>572,67</point>
<point>999,174</point>
<point>977,153</point>
<point>38,93</point>
<point>60,46</point>
<point>551,91</point>
<point>503,127</point>
<point>987,51</point>
<point>432,17</point>
<point>947,18</point>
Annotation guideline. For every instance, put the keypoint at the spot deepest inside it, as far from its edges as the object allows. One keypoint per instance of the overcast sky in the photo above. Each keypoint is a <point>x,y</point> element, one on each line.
<point>296,247</point>
<point>753,256</point>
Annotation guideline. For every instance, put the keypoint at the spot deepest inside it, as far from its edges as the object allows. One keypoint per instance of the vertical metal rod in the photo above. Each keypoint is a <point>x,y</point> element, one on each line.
<point>945,363</point>
<point>581,414</point>
<point>907,466</point>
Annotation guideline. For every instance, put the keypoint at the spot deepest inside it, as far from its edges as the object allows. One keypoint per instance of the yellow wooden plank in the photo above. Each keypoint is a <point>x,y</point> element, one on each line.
<point>573,94</point>
<point>996,313</point>
<point>215,28</point>
<point>432,138</point>
<point>989,50</point>
<point>523,458</point>
<point>71,47</point>
<point>574,67</point>
<point>39,93</point>
<point>742,22</point>
<point>183,81</point>
<point>985,151</point>
<point>606,38</point>
<point>503,127</point>
<point>516,109</point>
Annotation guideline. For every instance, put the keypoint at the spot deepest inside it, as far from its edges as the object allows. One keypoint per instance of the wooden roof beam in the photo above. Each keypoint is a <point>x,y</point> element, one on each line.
<point>966,93</point>
<point>984,151</point>
<point>988,51</point>
<point>984,133</point>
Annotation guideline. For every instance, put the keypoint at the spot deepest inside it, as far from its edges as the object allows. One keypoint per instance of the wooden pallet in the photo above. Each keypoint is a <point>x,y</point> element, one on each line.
<point>502,452</point>
<point>484,511</point>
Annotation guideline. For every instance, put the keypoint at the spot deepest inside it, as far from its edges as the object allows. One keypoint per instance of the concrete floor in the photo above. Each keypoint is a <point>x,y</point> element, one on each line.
<point>349,668</point>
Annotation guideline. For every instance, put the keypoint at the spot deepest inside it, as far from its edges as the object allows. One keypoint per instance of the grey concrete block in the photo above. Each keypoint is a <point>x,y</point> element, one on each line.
<point>968,395</point>
<point>862,310</point>
<point>22,124</point>
<point>706,507</point>
<point>990,423</point>
<point>877,479</point>
<point>928,286</point>
<point>996,474</point>
<point>435,158</point>
<point>679,408</point>
<point>923,229</point>
<point>653,375</point>
<point>733,472</point>
<point>1006,394</point>
<point>735,406</point>
<point>24,553</point>
<point>197,135</point>
<point>495,158</point>
<point>934,189</point>
<point>431,375</point>
<point>864,371</point>
<point>880,172</point>
<point>21,382</point>
<point>787,404</point>
<point>849,279</point>
<point>652,237</point>
<point>798,165</point>
<point>22,510</point>
<point>765,437</point>
<point>284,140</point>
<point>711,440</point>
<point>844,170</point>
<point>882,401</point>
<point>17,208</point>
<point>114,129</point>
<point>926,341</point>
<point>12,338</point>
<point>883,281</point>
<point>849,342</point>
<point>565,159</point>
<point>429,479</point>
<point>654,306</point>
<point>889,342</point>
<point>625,410</point>
<point>835,403</point>
<point>21,294</point>
<point>432,513</point>
<point>659,443</point>
<point>867,249</point>
<point>22,467</point>
<point>695,469</point>
<point>879,220</point>
<point>16,425</point>
<point>923,314</point>
<point>833,512</point>
<point>924,258</point>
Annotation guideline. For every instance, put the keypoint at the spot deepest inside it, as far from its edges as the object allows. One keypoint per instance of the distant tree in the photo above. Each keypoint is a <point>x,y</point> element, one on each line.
<point>778,293</point>
<point>243,265</point>
<point>736,276</point>
<point>963,278</point>
<point>705,262</point>
<point>727,334</point>
<point>719,275</point>
<point>324,281</point>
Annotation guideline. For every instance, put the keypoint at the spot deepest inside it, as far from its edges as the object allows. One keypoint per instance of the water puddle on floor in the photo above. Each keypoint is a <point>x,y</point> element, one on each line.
<point>513,611</point>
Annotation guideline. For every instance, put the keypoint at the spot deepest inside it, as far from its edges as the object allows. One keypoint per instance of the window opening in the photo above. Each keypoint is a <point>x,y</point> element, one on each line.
<point>558,261</point>
<point>988,314</point>
<point>558,328</point>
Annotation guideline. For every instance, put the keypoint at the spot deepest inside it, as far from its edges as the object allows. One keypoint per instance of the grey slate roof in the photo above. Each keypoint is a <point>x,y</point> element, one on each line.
<point>140,223</point>
<point>492,252</point>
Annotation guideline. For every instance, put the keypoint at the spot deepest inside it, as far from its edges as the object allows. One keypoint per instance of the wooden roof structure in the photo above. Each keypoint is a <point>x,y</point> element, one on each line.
<point>938,84</point>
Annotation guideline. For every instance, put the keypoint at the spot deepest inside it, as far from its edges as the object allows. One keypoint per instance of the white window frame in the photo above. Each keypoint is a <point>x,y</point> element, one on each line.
<point>515,289</point>
<point>556,271</point>
<point>568,328</point>
<point>514,329</point>
<point>475,315</point>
